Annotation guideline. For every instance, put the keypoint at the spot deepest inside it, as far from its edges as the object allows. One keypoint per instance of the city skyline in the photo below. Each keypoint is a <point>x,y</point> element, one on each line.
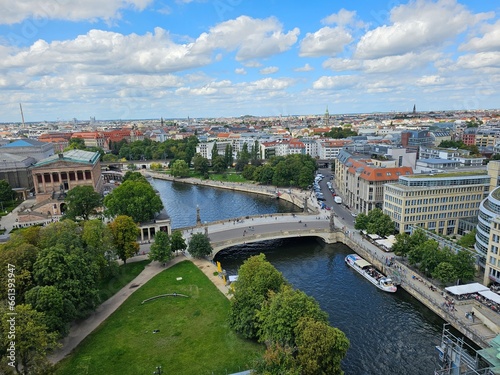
<point>227,58</point>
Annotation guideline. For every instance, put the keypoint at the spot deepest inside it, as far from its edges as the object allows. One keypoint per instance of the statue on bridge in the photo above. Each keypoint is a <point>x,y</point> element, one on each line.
<point>332,223</point>
<point>305,204</point>
<point>198,218</point>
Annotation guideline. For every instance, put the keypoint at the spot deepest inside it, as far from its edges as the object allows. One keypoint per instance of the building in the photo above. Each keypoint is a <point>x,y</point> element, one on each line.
<point>59,140</point>
<point>361,181</point>
<point>441,202</point>
<point>488,237</point>
<point>93,139</point>
<point>16,170</point>
<point>29,148</point>
<point>54,176</point>
<point>462,156</point>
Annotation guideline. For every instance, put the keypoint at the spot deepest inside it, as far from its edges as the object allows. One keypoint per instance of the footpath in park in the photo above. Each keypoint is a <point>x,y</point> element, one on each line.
<point>80,330</point>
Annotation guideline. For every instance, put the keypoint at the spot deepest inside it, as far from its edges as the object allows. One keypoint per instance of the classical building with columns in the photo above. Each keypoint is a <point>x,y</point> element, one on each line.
<point>55,175</point>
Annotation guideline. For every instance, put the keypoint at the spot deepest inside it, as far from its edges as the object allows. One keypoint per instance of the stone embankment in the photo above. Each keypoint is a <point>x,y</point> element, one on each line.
<point>298,197</point>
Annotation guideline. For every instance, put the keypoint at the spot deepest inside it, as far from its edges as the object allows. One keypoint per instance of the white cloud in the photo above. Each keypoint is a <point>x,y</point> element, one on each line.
<point>335,82</point>
<point>16,11</point>
<point>240,71</point>
<point>326,41</point>
<point>490,41</point>
<point>340,65</point>
<point>407,62</point>
<point>305,68</point>
<point>252,64</point>
<point>269,70</point>
<point>430,80</point>
<point>343,18</point>
<point>417,25</point>
<point>479,60</point>
<point>251,38</point>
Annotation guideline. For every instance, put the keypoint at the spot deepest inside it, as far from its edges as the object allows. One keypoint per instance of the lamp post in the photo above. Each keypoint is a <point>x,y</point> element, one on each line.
<point>158,371</point>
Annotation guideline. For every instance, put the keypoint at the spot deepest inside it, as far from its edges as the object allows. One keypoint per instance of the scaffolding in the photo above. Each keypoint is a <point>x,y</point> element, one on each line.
<point>456,357</point>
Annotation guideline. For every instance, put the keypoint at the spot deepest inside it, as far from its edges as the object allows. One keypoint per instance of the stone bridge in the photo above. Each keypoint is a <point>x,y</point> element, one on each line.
<point>231,232</point>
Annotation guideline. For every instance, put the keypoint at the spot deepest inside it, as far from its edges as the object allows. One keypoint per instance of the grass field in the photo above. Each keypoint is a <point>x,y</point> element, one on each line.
<point>125,274</point>
<point>193,336</point>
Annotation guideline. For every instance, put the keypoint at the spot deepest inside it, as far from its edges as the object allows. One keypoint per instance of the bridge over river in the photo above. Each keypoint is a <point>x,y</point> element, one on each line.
<point>226,233</point>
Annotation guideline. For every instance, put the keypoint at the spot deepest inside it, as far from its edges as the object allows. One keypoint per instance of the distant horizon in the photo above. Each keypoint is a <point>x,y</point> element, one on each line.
<point>254,116</point>
<point>220,59</point>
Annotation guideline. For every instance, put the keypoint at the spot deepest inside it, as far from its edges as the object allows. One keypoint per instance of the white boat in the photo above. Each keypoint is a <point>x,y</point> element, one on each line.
<point>368,271</point>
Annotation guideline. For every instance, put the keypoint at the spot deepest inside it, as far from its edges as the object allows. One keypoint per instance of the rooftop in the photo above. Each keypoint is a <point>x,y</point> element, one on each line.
<point>450,174</point>
<point>74,156</point>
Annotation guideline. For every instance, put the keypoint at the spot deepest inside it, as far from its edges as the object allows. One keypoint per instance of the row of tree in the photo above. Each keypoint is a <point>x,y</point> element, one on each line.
<point>58,269</point>
<point>375,222</point>
<point>296,332</point>
<point>135,198</point>
<point>442,264</point>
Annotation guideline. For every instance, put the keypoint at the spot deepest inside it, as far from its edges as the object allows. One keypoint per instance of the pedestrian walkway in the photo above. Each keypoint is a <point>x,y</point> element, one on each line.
<point>457,313</point>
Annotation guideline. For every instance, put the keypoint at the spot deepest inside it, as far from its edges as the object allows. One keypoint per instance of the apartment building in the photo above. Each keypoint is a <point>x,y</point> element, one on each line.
<point>437,202</point>
<point>360,181</point>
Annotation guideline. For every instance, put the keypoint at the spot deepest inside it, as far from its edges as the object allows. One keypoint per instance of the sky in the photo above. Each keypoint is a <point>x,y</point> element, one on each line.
<point>145,59</point>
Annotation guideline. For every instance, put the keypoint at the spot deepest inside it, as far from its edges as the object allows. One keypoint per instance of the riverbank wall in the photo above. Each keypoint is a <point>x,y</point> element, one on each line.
<point>299,198</point>
<point>481,330</point>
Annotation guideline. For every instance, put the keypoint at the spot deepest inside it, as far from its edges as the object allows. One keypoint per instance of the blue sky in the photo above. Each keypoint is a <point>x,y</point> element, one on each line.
<point>131,59</point>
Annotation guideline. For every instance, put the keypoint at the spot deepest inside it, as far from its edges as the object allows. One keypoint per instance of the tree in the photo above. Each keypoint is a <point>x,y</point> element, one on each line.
<point>136,199</point>
<point>180,169</point>
<point>219,164</point>
<point>134,176</point>
<point>361,222</point>
<point>50,301</point>
<point>160,249</point>
<point>277,360</point>
<point>402,244</point>
<point>445,273</point>
<point>6,192</point>
<point>468,240</point>
<point>82,202</point>
<point>199,245</point>
<point>33,341</point>
<point>463,263</point>
<point>228,155</point>
<point>201,165</point>
<point>177,242</point>
<point>76,144</point>
<point>215,151</point>
<point>73,273</point>
<point>320,347</point>
<point>256,278</point>
<point>280,315</point>
<point>98,241</point>
<point>125,233</point>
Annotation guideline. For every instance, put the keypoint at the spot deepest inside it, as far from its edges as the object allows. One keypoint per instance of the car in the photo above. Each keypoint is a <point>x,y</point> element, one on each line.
<point>320,199</point>
<point>354,214</point>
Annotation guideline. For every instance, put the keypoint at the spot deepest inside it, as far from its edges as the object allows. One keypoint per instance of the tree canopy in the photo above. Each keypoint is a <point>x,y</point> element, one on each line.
<point>375,222</point>
<point>199,245</point>
<point>6,192</point>
<point>180,169</point>
<point>125,233</point>
<point>161,248</point>
<point>82,202</point>
<point>256,278</point>
<point>134,198</point>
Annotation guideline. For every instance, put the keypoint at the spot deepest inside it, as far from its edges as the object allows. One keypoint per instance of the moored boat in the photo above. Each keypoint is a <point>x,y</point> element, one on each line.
<point>368,271</point>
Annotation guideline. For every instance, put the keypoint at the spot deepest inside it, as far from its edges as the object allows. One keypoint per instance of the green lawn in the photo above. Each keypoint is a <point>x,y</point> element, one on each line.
<point>125,274</point>
<point>193,336</point>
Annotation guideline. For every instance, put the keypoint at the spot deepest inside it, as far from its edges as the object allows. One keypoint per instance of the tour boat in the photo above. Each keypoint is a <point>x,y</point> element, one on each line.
<point>368,271</point>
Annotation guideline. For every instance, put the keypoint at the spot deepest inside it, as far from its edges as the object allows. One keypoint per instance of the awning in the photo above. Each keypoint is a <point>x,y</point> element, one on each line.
<point>466,289</point>
<point>492,296</point>
<point>362,263</point>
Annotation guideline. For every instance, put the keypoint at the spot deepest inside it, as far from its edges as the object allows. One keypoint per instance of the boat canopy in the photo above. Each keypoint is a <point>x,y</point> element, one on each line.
<point>466,289</point>
<point>361,263</point>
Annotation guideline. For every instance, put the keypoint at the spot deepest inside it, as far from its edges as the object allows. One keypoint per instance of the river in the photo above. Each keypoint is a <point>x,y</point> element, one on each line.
<point>389,333</point>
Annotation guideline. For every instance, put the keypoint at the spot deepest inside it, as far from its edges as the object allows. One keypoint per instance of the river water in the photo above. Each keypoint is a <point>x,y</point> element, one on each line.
<point>389,333</point>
